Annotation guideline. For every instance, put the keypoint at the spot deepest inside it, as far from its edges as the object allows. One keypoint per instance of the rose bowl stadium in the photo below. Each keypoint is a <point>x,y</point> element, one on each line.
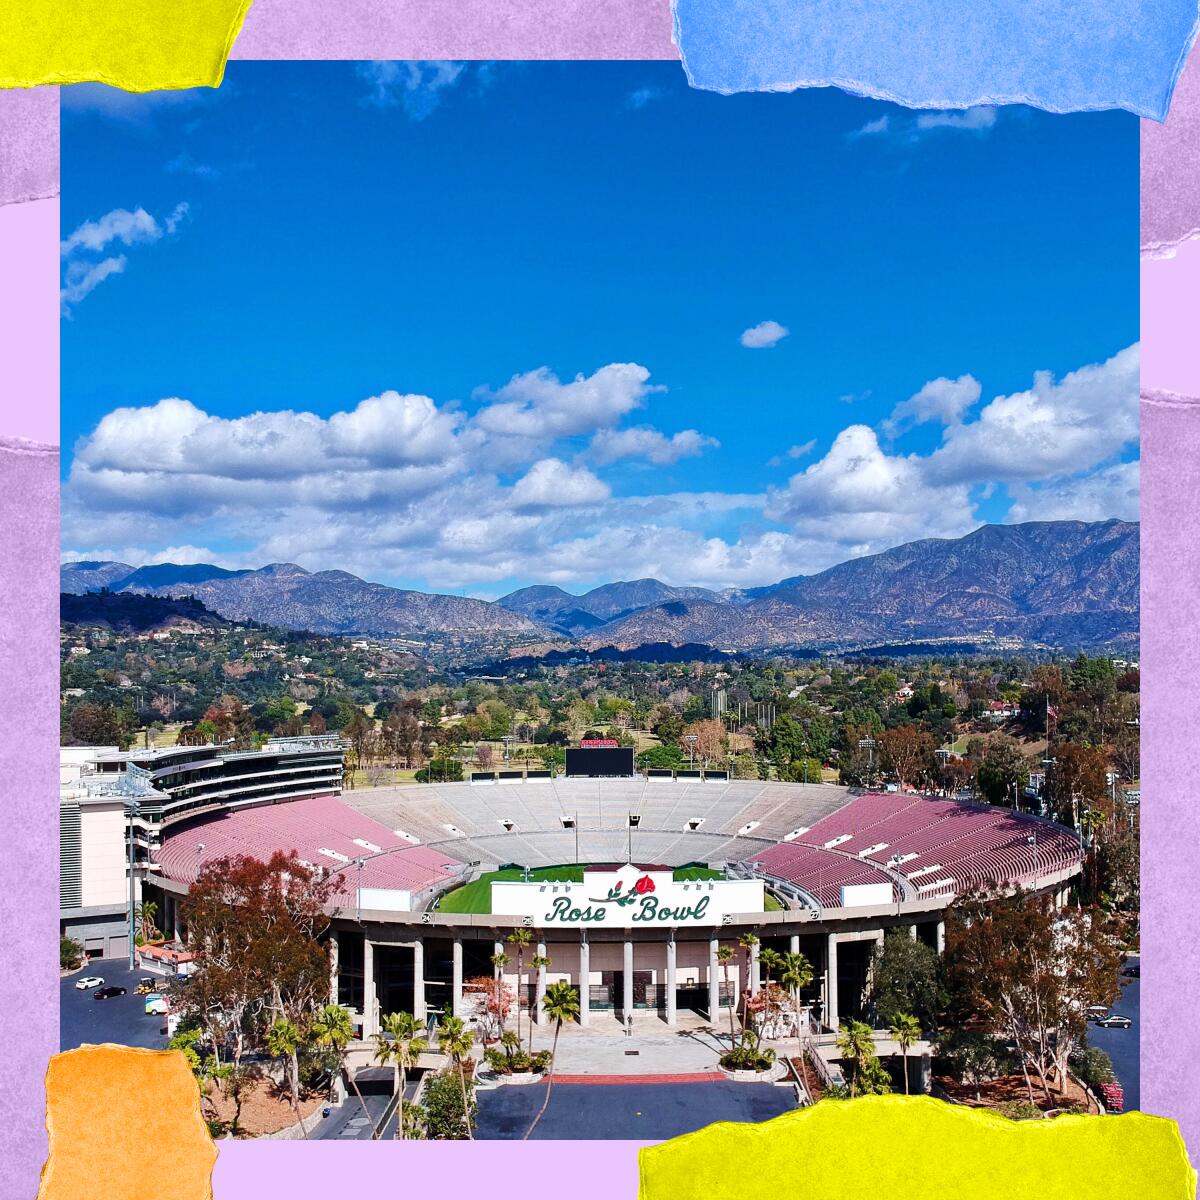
<point>628,883</point>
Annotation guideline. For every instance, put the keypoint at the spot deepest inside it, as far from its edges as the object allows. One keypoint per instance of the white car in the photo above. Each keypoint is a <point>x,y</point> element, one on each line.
<point>89,981</point>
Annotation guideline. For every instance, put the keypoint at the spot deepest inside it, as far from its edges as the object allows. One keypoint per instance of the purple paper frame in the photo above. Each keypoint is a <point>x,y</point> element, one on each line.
<point>29,331</point>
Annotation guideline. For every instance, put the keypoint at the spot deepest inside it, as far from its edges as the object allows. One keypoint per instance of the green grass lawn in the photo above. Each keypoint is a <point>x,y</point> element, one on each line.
<point>476,896</point>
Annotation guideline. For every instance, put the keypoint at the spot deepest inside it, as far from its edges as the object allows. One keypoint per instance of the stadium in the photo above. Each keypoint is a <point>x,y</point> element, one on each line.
<point>629,883</point>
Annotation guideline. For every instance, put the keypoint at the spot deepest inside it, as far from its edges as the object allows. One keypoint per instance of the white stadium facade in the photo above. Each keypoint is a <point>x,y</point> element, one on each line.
<point>674,866</point>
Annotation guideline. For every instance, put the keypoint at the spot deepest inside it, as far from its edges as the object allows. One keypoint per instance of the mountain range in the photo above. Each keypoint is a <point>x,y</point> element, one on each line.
<point>1057,583</point>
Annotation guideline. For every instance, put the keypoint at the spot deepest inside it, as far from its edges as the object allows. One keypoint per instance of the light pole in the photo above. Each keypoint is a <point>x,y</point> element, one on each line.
<point>508,740</point>
<point>359,863</point>
<point>691,740</point>
<point>868,744</point>
<point>894,862</point>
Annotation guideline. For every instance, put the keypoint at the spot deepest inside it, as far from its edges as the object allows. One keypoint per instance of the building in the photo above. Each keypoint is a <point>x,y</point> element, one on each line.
<point>109,798</point>
<point>662,872</point>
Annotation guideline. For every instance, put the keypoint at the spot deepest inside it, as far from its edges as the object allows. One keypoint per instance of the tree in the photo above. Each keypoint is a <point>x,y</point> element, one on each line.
<point>70,953</point>
<point>1076,779</point>
<point>710,742</point>
<point>1003,771</point>
<point>521,939</point>
<point>400,1044</point>
<point>796,975</point>
<point>905,978</point>
<point>333,1029</point>
<point>540,963</point>
<point>254,928</point>
<point>856,1045</point>
<point>907,751</point>
<point>144,915</point>
<point>284,1040</point>
<point>905,1030</point>
<point>725,955</point>
<point>455,1040</point>
<point>1024,971</point>
<point>749,943</point>
<point>770,960</point>
<point>560,1003</point>
<point>446,1115</point>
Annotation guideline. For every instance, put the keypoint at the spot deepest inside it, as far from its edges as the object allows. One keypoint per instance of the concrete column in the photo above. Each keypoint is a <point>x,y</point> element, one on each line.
<point>370,1015</point>
<point>585,1015</point>
<point>670,983</point>
<point>176,924</point>
<point>831,989</point>
<point>755,980</point>
<point>456,978</point>
<point>419,1010</point>
<point>714,982</point>
<point>794,944</point>
<point>912,932</point>
<point>941,937</point>
<point>333,967</point>
<point>539,992</point>
<point>627,980</point>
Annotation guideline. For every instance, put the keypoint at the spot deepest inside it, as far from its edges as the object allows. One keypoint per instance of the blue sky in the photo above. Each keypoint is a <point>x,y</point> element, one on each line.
<point>471,326</point>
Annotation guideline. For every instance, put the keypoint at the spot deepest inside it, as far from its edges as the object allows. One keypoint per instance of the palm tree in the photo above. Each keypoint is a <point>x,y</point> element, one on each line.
<point>521,939</point>
<point>145,914</point>
<point>770,960</point>
<point>796,975</point>
<point>500,960</point>
<point>560,1003</point>
<point>284,1040</point>
<point>748,942</point>
<point>856,1046</point>
<point>542,963</point>
<point>905,1029</point>
<point>401,1045</point>
<point>456,1040</point>
<point>333,1028</point>
<point>724,956</point>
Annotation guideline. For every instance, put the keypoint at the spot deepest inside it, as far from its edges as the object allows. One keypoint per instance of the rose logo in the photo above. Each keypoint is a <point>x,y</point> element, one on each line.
<point>644,886</point>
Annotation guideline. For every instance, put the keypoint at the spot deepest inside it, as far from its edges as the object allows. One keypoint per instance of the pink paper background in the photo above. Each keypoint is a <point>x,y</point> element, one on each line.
<point>28,601</point>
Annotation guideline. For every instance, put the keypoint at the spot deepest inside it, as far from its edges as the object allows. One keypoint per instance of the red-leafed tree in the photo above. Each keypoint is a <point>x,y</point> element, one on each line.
<point>255,928</point>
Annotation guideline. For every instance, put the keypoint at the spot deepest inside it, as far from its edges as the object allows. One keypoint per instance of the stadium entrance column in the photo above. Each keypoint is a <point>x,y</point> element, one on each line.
<point>456,978</point>
<point>539,991</point>
<point>670,980</point>
<point>370,1003</point>
<point>714,982</point>
<point>585,980</point>
<point>831,982</point>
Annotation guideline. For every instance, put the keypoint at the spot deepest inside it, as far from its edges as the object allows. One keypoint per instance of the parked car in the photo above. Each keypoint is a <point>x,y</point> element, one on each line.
<point>1115,1021</point>
<point>1130,971</point>
<point>1096,1011</point>
<point>107,993</point>
<point>89,981</point>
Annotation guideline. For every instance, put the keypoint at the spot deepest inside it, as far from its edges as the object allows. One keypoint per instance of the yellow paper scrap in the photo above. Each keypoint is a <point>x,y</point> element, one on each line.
<point>919,1148</point>
<point>138,45</point>
<point>124,1124</point>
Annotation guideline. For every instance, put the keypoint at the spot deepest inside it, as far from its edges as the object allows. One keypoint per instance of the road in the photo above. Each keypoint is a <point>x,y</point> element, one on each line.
<point>1123,1046</point>
<point>83,1020</point>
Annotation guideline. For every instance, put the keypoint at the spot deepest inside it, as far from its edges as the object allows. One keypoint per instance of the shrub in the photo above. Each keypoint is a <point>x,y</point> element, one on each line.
<point>444,1107</point>
<point>70,953</point>
<point>441,770</point>
<point>1019,1110</point>
<point>1095,1068</point>
<point>748,1058</point>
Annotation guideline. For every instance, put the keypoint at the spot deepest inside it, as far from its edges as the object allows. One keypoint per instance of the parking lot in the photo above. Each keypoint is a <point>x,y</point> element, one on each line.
<point>1123,1045</point>
<point>84,1020</point>
<point>636,1111</point>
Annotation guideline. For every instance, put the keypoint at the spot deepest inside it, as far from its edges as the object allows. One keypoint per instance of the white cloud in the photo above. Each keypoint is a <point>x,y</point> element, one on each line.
<point>129,227</point>
<point>1113,491</point>
<point>537,406</point>
<point>1054,428</point>
<point>82,277</point>
<point>942,400</point>
<point>972,119</point>
<point>550,483</point>
<point>793,452</point>
<point>402,488</point>
<point>859,495</point>
<point>416,87</point>
<point>904,128</point>
<point>642,441</point>
<point>764,335</point>
<point>642,96</point>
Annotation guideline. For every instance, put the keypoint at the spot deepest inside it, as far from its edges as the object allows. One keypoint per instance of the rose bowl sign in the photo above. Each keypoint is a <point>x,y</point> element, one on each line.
<point>628,897</point>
